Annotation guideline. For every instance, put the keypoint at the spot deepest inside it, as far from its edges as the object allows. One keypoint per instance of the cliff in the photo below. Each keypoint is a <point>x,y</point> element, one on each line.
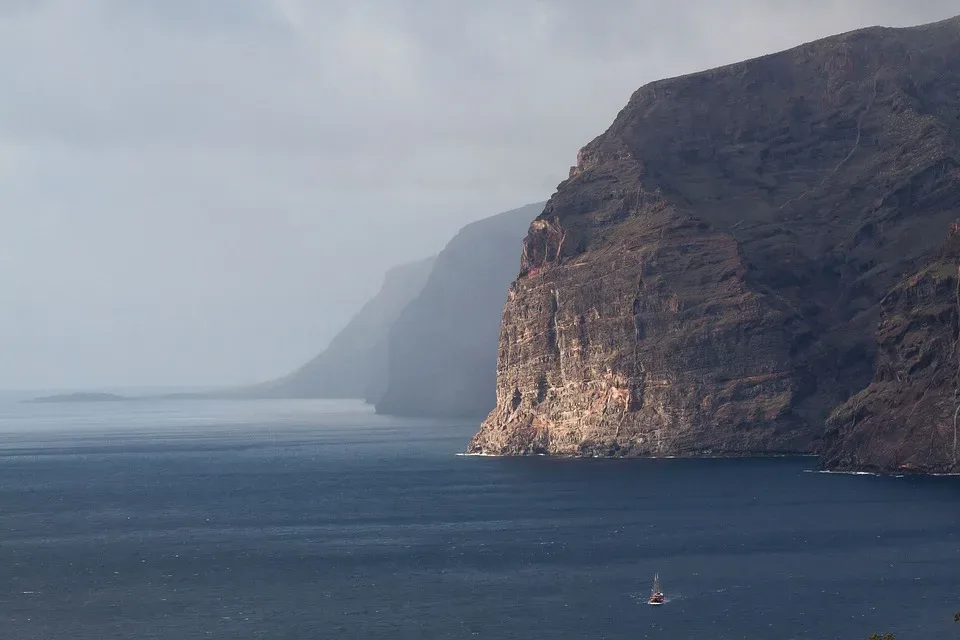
<point>906,420</point>
<point>708,279</point>
<point>354,364</point>
<point>443,347</point>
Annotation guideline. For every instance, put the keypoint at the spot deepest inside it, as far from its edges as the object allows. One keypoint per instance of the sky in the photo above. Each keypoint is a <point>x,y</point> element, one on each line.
<point>202,192</point>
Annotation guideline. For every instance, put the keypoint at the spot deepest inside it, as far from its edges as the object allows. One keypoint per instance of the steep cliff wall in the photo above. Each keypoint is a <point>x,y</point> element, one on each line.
<point>443,347</point>
<point>707,280</point>
<point>906,420</point>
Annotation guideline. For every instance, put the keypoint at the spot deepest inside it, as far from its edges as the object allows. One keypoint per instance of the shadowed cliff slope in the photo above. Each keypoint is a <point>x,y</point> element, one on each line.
<point>906,420</point>
<point>708,279</point>
<point>354,365</point>
<point>443,347</point>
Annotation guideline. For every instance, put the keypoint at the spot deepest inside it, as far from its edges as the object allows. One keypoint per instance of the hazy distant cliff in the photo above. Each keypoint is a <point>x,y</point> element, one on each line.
<point>907,418</point>
<point>709,278</point>
<point>354,365</point>
<point>443,347</point>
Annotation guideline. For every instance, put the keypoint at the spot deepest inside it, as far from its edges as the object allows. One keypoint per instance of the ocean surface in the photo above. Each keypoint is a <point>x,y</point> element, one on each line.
<point>183,520</point>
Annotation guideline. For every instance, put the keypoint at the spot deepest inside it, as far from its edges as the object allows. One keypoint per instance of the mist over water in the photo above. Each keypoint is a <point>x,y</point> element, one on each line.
<point>299,519</point>
<point>216,205</point>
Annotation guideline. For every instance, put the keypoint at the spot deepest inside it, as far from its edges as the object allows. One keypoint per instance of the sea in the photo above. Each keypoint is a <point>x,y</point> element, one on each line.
<point>275,519</point>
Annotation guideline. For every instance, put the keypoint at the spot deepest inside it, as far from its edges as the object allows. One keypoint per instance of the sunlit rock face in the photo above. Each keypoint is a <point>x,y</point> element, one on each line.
<point>709,279</point>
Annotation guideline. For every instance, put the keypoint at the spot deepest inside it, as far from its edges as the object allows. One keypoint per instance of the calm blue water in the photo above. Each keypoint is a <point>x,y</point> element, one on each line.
<point>280,519</point>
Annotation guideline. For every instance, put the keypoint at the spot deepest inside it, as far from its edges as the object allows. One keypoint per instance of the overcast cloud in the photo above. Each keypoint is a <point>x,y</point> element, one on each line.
<point>202,192</point>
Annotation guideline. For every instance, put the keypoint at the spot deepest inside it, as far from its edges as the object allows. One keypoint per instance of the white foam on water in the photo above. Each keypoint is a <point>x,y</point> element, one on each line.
<point>874,473</point>
<point>498,455</point>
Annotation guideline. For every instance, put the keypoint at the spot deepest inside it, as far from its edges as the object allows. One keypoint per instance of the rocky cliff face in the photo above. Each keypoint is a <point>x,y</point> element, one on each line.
<point>354,365</point>
<point>443,347</point>
<point>708,279</point>
<point>906,420</point>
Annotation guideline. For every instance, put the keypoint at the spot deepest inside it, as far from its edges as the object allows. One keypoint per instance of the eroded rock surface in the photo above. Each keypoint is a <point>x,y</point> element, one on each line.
<point>708,280</point>
<point>906,420</point>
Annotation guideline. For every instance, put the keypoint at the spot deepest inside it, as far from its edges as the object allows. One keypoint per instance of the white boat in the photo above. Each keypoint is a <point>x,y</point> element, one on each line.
<point>656,593</point>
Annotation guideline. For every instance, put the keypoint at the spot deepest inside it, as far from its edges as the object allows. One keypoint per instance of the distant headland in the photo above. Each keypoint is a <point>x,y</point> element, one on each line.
<point>79,397</point>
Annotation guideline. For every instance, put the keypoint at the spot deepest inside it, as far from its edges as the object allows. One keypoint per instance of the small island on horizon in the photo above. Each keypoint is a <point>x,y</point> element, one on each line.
<point>78,397</point>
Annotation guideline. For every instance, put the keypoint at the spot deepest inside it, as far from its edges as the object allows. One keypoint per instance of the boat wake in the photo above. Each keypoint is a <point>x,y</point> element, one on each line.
<point>644,598</point>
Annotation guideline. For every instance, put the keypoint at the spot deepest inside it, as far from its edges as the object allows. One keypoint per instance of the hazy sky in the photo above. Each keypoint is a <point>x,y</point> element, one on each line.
<point>203,191</point>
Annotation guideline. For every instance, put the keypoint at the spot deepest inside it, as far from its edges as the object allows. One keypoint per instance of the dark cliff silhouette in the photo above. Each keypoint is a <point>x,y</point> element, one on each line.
<point>443,347</point>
